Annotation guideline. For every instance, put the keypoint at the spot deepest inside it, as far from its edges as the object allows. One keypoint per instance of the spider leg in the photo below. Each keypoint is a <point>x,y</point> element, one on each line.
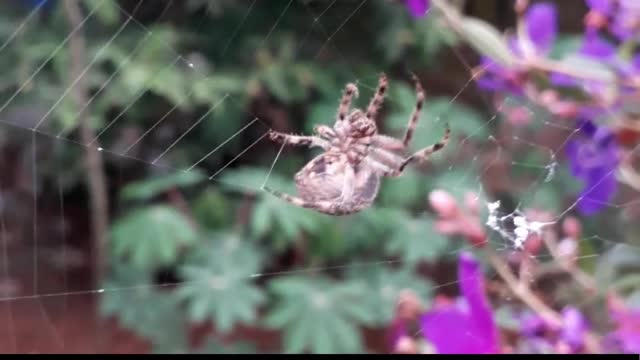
<point>326,207</point>
<point>387,143</point>
<point>298,140</point>
<point>426,152</point>
<point>421,154</point>
<point>413,120</point>
<point>349,92</point>
<point>378,97</point>
<point>324,132</point>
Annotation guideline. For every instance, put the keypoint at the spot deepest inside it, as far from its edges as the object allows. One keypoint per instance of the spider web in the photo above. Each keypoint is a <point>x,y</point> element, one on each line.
<point>153,150</point>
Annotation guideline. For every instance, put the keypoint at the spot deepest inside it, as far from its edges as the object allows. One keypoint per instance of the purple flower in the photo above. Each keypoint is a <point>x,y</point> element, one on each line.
<point>603,7</point>
<point>593,158</point>
<point>532,325</point>
<point>541,21</point>
<point>496,77</point>
<point>542,26</point>
<point>627,333</point>
<point>626,20</point>
<point>540,336</point>
<point>466,326</point>
<point>574,328</point>
<point>417,8</point>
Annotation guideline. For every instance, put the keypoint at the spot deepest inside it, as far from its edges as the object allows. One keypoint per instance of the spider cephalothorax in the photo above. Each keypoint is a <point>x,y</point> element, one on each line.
<point>345,178</point>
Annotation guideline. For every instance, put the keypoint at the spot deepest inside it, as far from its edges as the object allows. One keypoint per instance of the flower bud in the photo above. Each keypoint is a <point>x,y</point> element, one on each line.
<point>443,203</point>
<point>472,202</point>
<point>447,227</point>
<point>475,234</point>
<point>572,227</point>
<point>533,245</point>
<point>408,306</point>
<point>595,20</point>
<point>406,345</point>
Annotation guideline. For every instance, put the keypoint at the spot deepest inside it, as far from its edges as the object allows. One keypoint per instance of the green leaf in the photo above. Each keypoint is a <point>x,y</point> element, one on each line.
<point>321,113</point>
<point>619,260</point>
<point>216,346</point>
<point>152,236</point>
<point>403,191</point>
<point>589,68</point>
<point>384,285</point>
<point>212,209</point>
<point>149,188</point>
<point>272,215</point>
<point>486,39</point>
<point>417,240</point>
<point>149,313</point>
<point>108,12</point>
<point>366,230</point>
<point>463,120</point>
<point>218,282</point>
<point>318,315</point>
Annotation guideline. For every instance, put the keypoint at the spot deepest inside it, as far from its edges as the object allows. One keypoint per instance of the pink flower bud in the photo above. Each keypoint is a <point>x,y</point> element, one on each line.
<point>565,109</point>
<point>472,202</point>
<point>572,227</point>
<point>406,345</point>
<point>408,306</point>
<point>475,234</point>
<point>533,245</point>
<point>549,97</point>
<point>443,203</point>
<point>447,227</point>
<point>595,19</point>
<point>518,116</point>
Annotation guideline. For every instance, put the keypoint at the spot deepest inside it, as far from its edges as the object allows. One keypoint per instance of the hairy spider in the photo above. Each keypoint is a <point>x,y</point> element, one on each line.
<point>345,178</point>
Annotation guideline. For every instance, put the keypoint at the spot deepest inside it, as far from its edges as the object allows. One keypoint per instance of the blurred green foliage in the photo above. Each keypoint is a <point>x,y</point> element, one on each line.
<point>238,255</point>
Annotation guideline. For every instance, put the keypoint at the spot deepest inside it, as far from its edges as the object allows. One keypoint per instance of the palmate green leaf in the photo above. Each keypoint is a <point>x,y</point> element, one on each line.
<point>275,216</point>
<point>384,285</point>
<point>215,346</point>
<point>403,191</point>
<point>247,180</point>
<point>148,188</point>
<point>151,236</point>
<point>107,12</point>
<point>270,214</point>
<point>218,282</point>
<point>416,240</point>
<point>143,309</point>
<point>318,315</point>
<point>212,209</point>
<point>366,230</point>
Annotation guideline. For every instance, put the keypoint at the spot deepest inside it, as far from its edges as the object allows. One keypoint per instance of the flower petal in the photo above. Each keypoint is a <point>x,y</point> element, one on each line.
<point>417,8</point>
<point>574,327</point>
<point>542,25</point>
<point>601,6</point>
<point>466,329</point>
<point>600,186</point>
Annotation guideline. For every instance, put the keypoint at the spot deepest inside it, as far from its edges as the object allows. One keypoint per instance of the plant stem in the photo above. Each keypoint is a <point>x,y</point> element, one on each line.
<point>93,158</point>
<point>522,291</point>
<point>578,275</point>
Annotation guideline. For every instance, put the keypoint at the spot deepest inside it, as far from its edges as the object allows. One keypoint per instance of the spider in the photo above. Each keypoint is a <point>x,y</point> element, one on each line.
<point>345,178</point>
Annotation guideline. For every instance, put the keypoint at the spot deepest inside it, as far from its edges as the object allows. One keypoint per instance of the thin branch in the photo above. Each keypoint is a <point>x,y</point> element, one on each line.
<point>522,291</point>
<point>93,158</point>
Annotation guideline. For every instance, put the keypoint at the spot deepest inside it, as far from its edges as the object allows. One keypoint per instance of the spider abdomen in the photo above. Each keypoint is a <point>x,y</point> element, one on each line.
<point>324,179</point>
